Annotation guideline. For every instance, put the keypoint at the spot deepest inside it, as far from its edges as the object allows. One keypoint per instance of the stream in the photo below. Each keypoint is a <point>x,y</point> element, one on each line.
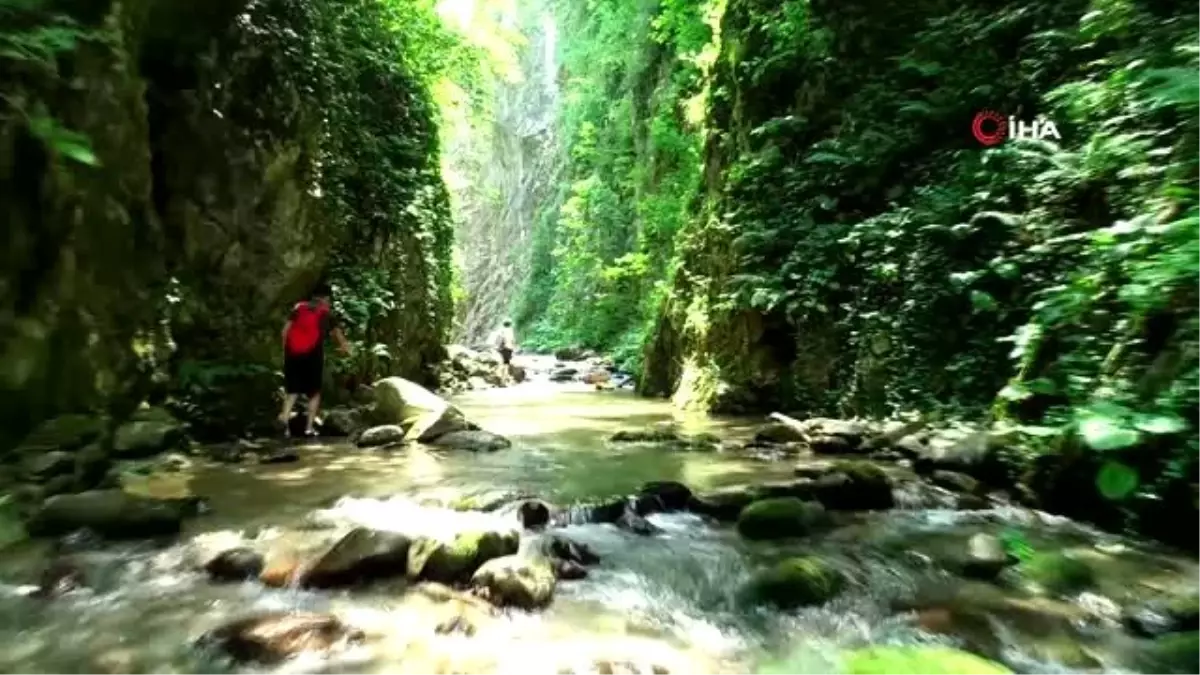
<point>662,603</point>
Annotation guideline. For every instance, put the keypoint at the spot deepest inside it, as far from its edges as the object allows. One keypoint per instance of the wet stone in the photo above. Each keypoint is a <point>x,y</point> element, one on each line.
<point>275,636</point>
<point>238,564</point>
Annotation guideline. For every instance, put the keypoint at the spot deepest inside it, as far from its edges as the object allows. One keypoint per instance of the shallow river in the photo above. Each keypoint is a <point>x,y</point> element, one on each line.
<point>665,601</point>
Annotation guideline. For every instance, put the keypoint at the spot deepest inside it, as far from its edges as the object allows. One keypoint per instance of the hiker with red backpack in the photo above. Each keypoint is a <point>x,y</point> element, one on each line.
<point>304,334</point>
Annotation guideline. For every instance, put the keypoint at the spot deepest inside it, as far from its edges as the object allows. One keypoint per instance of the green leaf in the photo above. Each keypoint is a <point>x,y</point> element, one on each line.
<point>1161,424</point>
<point>1116,480</point>
<point>1107,433</point>
<point>983,302</point>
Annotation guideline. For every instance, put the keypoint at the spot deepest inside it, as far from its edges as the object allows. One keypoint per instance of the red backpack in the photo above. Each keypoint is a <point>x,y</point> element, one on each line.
<point>305,332</point>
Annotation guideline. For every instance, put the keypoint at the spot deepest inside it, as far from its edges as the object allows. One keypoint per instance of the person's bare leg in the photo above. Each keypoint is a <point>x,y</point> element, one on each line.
<point>314,406</point>
<point>289,400</point>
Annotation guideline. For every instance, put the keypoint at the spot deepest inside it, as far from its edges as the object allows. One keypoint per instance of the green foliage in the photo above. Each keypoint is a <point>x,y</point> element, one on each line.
<point>31,39</point>
<point>632,164</point>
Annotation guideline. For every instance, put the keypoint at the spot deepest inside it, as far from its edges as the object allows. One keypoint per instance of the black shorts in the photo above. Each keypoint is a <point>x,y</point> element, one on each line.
<point>302,373</point>
<point>506,355</point>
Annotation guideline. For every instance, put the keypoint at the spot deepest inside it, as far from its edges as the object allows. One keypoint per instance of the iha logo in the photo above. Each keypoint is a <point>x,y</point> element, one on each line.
<point>991,128</point>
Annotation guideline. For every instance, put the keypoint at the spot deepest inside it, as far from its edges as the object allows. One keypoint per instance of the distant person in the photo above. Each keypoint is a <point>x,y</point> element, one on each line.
<point>504,341</point>
<point>310,324</point>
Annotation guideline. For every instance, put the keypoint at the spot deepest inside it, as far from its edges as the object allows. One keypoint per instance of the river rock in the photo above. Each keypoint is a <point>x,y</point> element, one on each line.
<point>237,564</point>
<point>387,434</point>
<point>561,547</point>
<point>563,374</point>
<point>596,377</point>
<point>794,582</point>
<point>517,373</point>
<point>343,421</point>
<point>533,514</point>
<point>575,353</point>
<point>476,440</point>
<point>661,496</point>
<point>362,555</point>
<point>42,466</point>
<point>1057,573</point>
<point>917,659</point>
<point>150,432</point>
<point>1164,615</point>
<point>65,432</point>
<point>779,433</point>
<point>645,436</point>
<point>454,561</point>
<point>780,517</point>
<point>92,465</point>
<point>955,481</point>
<point>854,486</point>
<point>61,576</point>
<point>423,414</point>
<point>276,636</point>
<point>524,582</point>
<point>985,557</point>
<point>110,513</point>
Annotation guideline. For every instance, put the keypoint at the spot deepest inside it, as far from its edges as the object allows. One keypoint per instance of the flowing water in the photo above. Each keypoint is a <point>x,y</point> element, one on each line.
<point>665,602</point>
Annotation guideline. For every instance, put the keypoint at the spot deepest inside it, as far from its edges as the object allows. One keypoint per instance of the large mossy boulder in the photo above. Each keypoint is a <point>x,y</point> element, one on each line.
<point>454,560</point>
<point>781,517</point>
<point>795,582</point>
<point>423,414</point>
<point>111,513</point>
<point>916,659</point>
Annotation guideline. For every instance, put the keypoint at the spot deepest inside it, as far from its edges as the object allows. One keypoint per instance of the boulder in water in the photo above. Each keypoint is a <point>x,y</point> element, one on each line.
<point>386,434</point>
<point>456,560</point>
<point>661,496</point>
<point>343,421</point>
<point>1057,573</point>
<point>725,504</point>
<point>985,557</point>
<point>560,547</point>
<point>423,414</point>
<point>575,353</point>
<point>955,481</point>
<point>518,581</point>
<point>918,659</point>
<point>237,564</point>
<point>795,582</point>
<point>361,555</point>
<point>533,514</point>
<point>61,576</point>
<point>645,436</point>
<point>151,431</point>
<point>110,513</point>
<point>563,374</point>
<point>1165,615</point>
<point>779,433</point>
<point>855,486</point>
<point>276,636</point>
<point>476,440</point>
<point>780,517</point>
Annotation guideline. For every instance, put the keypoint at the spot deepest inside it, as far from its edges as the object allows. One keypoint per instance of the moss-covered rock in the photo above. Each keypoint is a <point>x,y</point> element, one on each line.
<point>526,582</point>
<point>362,555</point>
<point>918,659</point>
<point>149,433</point>
<point>66,432</point>
<point>780,517</point>
<point>454,561</point>
<point>794,582</point>
<point>855,486</point>
<point>1057,573</point>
